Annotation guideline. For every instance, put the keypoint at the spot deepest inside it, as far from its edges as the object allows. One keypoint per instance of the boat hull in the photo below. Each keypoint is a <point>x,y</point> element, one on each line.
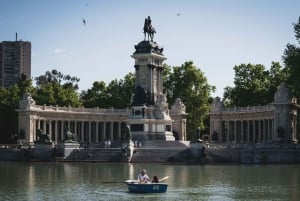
<point>147,188</point>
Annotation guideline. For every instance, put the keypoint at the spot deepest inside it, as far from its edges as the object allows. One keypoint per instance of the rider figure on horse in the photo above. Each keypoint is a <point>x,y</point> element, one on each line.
<point>149,29</point>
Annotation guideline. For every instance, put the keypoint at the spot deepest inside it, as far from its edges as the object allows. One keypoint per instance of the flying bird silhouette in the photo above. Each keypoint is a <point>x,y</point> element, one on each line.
<point>178,14</point>
<point>83,21</point>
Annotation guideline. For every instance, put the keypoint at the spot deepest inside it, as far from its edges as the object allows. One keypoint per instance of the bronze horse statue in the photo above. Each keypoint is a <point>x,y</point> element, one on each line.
<point>149,29</point>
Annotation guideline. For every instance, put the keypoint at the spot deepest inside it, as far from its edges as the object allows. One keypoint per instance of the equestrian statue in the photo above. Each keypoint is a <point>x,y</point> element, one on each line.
<point>149,29</point>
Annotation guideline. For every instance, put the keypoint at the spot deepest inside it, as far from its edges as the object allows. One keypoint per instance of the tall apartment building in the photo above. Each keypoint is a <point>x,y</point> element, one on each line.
<point>15,61</point>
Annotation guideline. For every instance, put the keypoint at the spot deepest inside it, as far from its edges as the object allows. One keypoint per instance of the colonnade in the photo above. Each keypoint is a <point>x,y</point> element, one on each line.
<point>84,131</point>
<point>247,131</point>
<point>276,122</point>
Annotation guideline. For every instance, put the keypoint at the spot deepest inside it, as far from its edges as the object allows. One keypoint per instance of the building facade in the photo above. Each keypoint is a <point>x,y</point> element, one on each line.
<point>259,124</point>
<point>15,62</point>
<point>89,125</point>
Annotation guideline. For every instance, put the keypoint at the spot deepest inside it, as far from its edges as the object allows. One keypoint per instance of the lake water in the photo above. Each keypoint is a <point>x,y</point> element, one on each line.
<point>104,181</point>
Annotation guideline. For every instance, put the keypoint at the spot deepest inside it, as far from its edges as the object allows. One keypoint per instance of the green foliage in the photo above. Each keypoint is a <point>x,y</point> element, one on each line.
<point>9,101</point>
<point>189,83</point>
<point>95,96</point>
<point>297,30</point>
<point>116,94</point>
<point>292,63</point>
<point>291,59</point>
<point>254,85</point>
<point>54,88</point>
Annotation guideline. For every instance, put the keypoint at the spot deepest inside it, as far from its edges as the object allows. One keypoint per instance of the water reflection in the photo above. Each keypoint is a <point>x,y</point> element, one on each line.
<point>104,181</point>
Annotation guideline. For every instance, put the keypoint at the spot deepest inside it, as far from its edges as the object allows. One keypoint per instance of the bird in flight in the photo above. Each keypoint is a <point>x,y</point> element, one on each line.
<point>83,21</point>
<point>178,14</point>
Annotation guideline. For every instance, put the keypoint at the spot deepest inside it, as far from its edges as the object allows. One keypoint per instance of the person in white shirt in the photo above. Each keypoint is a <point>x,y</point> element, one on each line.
<point>143,177</point>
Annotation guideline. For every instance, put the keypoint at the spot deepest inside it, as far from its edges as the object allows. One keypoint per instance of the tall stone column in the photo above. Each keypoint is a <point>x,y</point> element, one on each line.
<point>56,131</point>
<point>104,131</point>
<point>119,130</point>
<point>242,132</point>
<point>248,131</point>
<point>82,131</point>
<point>39,124</point>
<point>97,132</point>
<point>228,134</point>
<point>62,137</point>
<point>235,133</point>
<point>254,131</point>
<point>50,129</point>
<point>44,126</point>
<point>259,131</point>
<point>90,133</point>
<point>75,130</point>
<point>112,130</point>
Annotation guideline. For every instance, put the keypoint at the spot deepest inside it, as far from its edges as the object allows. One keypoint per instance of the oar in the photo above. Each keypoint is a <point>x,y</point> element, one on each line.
<point>112,182</point>
<point>131,181</point>
<point>164,178</point>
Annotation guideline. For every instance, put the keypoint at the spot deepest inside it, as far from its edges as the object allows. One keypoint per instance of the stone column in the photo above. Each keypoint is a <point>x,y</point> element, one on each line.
<point>104,131</point>
<point>97,132</point>
<point>254,131</point>
<point>228,134</point>
<point>111,130</point>
<point>50,129</point>
<point>242,132</point>
<point>82,131</point>
<point>39,124</point>
<point>44,126</point>
<point>248,131</point>
<point>34,129</point>
<point>264,131</point>
<point>75,130</point>
<point>90,133</point>
<point>119,130</point>
<point>235,134</point>
<point>62,131</point>
<point>56,132</point>
<point>269,130</point>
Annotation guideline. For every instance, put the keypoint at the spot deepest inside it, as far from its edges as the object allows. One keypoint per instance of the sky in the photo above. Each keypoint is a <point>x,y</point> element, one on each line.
<point>215,34</point>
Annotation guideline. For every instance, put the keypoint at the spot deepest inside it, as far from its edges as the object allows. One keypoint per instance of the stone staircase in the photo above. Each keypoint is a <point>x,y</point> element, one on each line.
<point>161,144</point>
<point>159,151</point>
<point>154,151</point>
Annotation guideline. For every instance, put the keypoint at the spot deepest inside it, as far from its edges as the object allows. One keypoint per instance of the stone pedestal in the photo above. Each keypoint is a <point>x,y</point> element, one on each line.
<point>41,152</point>
<point>68,148</point>
<point>148,123</point>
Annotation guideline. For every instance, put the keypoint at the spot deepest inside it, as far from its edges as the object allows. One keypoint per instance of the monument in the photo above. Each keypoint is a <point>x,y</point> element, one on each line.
<point>149,118</point>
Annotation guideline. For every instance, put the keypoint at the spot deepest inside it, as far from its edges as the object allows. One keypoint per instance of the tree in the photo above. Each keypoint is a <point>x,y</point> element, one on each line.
<point>291,59</point>
<point>297,29</point>
<point>189,83</point>
<point>95,97</point>
<point>116,94</point>
<point>9,101</point>
<point>254,85</point>
<point>119,92</point>
<point>54,88</point>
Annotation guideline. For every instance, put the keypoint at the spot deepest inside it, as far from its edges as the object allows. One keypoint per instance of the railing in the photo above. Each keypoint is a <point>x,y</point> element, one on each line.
<point>248,109</point>
<point>79,109</point>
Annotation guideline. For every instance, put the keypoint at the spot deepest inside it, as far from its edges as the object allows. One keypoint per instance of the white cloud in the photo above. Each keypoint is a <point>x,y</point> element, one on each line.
<point>58,50</point>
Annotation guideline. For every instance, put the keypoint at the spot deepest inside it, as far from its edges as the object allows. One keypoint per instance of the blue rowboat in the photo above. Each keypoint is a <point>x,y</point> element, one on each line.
<point>147,188</point>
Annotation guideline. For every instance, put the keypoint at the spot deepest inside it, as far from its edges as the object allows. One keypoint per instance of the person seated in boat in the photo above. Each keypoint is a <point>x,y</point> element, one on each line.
<point>143,177</point>
<point>155,179</point>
